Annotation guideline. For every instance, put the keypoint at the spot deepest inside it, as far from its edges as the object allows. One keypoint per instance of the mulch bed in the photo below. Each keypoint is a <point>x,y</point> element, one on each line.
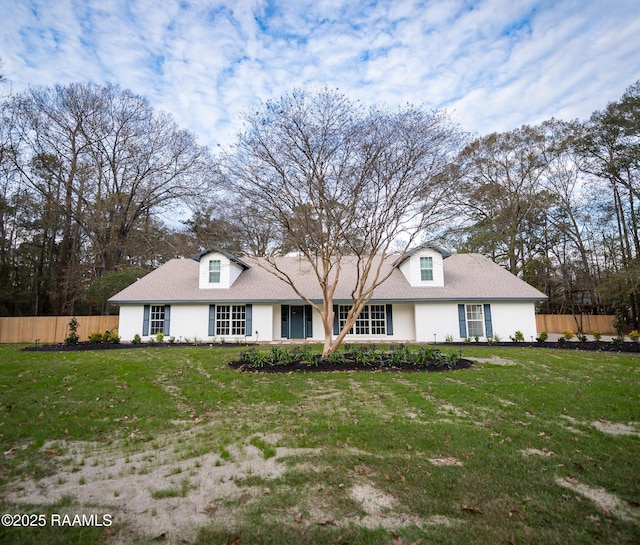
<point>325,366</point>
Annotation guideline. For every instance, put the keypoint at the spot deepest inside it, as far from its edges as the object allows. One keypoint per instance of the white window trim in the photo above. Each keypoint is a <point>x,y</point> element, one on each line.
<point>472,311</point>
<point>231,320</point>
<point>215,267</point>
<point>426,270</point>
<point>156,319</point>
<point>372,320</point>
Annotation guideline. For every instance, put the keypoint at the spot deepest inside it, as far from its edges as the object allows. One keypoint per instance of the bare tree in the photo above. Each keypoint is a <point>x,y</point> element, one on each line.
<point>343,182</point>
<point>106,163</point>
<point>502,194</point>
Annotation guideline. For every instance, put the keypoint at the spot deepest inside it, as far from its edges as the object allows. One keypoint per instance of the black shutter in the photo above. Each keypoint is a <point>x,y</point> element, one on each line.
<point>462,320</point>
<point>166,327</point>
<point>308,315</point>
<point>248,320</point>
<point>212,320</point>
<point>284,321</point>
<point>336,321</point>
<point>145,320</point>
<point>488,326</point>
<point>389,313</point>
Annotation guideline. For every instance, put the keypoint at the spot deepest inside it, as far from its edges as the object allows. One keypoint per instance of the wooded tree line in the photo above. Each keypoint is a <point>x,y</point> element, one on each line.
<point>97,188</point>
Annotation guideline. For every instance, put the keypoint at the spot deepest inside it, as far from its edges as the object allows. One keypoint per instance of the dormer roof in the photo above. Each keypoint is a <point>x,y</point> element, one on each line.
<point>234,259</point>
<point>411,252</point>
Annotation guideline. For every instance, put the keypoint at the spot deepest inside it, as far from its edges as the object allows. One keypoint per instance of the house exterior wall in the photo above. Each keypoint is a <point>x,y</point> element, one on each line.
<point>411,268</point>
<point>404,324</point>
<point>262,323</point>
<point>189,321</point>
<point>511,316</point>
<point>441,319</point>
<point>130,321</point>
<point>411,322</point>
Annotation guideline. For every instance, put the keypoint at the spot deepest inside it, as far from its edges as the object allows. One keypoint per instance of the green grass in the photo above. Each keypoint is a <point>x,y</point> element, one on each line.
<point>450,453</point>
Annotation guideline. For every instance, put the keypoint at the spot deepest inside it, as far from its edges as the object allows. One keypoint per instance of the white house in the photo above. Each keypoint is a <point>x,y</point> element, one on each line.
<point>430,296</point>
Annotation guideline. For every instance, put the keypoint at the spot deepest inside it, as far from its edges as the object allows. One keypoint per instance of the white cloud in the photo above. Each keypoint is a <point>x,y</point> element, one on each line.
<point>496,64</point>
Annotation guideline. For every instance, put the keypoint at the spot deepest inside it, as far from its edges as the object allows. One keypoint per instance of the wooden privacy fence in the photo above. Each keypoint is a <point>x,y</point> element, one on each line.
<point>51,329</point>
<point>588,323</point>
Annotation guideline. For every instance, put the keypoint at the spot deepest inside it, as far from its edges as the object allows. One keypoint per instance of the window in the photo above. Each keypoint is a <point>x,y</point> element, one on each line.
<point>426,268</point>
<point>156,320</point>
<point>214,271</point>
<point>475,321</point>
<point>230,320</point>
<point>343,310</point>
<point>362,323</point>
<point>372,320</point>
<point>378,320</point>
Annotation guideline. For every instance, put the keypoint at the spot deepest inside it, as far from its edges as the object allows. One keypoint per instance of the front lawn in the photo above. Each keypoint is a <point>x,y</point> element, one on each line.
<point>528,446</point>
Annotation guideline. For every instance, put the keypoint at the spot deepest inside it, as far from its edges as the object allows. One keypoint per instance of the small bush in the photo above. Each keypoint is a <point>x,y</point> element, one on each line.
<point>634,335</point>
<point>619,323</point>
<point>399,354</point>
<point>95,337</point>
<point>159,336</point>
<point>542,337</point>
<point>73,337</point>
<point>597,335</point>
<point>567,334</point>
<point>306,355</point>
<point>253,357</point>
<point>136,339</point>
<point>518,337</point>
<point>336,358</point>
<point>280,356</point>
<point>581,337</point>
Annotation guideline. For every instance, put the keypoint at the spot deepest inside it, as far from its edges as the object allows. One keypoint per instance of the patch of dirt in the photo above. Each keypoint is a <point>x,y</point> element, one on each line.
<point>615,428</point>
<point>373,501</point>
<point>124,486</point>
<point>610,428</point>
<point>495,360</point>
<point>537,452</point>
<point>450,409</point>
<point>161,492</point>
<point>448,461</point>
<point>608,503</point>
<point>381,511</point>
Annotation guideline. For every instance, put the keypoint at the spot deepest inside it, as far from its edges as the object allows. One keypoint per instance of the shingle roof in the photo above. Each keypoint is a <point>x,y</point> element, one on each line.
<point>467,277</point>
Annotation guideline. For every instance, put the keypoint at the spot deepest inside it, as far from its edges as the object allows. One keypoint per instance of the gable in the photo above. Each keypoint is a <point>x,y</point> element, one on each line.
<point>218,270</point>
<point>424,267</point>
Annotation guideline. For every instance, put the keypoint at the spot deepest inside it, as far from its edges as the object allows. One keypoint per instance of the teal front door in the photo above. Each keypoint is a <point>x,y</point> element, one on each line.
<point>297,322</point>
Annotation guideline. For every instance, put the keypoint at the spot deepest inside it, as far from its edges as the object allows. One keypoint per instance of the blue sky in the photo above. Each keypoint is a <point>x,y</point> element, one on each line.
<point>492,64</point>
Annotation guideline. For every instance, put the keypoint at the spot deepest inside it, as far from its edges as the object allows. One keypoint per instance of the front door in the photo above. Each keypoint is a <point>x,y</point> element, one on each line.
<point>297,322</point>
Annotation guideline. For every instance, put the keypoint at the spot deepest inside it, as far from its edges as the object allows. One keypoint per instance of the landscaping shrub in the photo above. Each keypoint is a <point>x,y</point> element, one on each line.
<point>542,337</point>
<point>73,337</point>
<point>95,337</point>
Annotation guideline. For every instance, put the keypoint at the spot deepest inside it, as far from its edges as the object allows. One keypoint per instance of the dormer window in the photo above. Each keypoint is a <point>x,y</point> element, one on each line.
<point>214,271</point>
<point>426,268</point>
